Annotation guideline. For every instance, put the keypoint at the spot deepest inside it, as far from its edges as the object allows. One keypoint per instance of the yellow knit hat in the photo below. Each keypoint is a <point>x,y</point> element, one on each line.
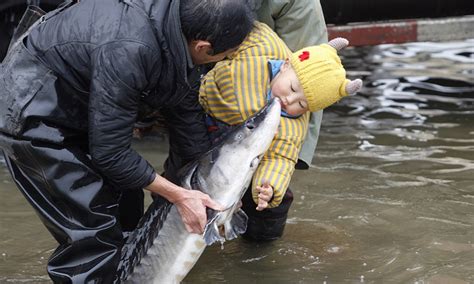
<point>321,75</point>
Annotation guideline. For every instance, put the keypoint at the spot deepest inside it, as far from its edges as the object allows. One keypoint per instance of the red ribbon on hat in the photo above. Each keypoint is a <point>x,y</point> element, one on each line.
<point>304,56</point>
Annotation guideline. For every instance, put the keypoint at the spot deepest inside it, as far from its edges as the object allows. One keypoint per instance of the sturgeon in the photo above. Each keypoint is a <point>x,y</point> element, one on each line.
<point>161,250</point>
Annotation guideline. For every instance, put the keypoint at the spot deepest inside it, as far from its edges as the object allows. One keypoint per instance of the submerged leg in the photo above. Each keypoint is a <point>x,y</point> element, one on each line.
<point>131,208</point>
<point>269,224</point>
<point>75,204</point>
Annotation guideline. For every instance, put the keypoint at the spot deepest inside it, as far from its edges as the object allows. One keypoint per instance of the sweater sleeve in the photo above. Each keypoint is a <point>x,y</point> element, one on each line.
<point>216,94</point>
<point>278,163</point>
<point>236,88</point>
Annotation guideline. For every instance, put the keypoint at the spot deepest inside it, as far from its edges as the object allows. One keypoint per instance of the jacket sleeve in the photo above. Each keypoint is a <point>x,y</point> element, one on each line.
<point>299,23</point>
<point>188,137</point>
<point>119,74</point>
<point>279,161</point>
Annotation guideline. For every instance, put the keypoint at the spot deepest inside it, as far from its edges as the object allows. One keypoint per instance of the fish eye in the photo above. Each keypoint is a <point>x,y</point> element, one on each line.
<point>250,125</point>
<point>239,136</point>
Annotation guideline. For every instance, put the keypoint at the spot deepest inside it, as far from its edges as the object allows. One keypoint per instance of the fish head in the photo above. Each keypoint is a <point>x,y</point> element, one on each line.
<point>226,171</point>
<point>250,140</point>
<point>229,166</point>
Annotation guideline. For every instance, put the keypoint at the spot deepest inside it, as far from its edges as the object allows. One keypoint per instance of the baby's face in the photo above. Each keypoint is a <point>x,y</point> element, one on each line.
<point>287,88</point>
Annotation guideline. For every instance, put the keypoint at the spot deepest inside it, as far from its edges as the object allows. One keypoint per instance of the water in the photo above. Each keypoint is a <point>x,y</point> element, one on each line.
<point>390,198</point>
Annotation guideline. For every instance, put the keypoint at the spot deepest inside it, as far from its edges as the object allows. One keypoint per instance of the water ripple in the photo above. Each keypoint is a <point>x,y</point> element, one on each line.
<point>445,221</point>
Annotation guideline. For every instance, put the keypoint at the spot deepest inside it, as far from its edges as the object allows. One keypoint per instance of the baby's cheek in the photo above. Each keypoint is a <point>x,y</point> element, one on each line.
<point>295,111</point>
<point>289,110</point>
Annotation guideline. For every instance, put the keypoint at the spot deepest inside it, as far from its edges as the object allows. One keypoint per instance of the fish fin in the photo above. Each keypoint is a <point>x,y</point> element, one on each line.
<point>236,226</point>
<point>211,231</point>
<point>232,229</point>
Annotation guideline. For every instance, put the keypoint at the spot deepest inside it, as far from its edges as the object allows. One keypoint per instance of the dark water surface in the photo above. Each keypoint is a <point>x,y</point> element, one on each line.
<point>390,198</point>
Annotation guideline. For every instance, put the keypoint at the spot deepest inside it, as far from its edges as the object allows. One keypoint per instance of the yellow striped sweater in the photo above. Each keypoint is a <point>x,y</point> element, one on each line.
<point>237,88</point>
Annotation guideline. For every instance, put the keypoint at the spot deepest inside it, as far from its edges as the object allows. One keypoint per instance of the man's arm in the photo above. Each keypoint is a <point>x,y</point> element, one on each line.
<point>299,23</point>
<point>120,71</point>
<point>118,76</point>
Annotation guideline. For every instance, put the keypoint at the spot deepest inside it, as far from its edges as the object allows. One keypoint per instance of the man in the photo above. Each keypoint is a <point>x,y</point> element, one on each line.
<point>69,97</point>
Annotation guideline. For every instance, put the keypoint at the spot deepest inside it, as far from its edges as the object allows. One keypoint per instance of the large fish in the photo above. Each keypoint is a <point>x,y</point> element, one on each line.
<point>160,250</point>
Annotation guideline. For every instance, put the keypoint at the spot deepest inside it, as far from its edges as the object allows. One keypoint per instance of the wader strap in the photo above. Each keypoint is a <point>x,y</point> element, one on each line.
<point>31,15</point>
<point>34,16</point>
<point>29,18</point>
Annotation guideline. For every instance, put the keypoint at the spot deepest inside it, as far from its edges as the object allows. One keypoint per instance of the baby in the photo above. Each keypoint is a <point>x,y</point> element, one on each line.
<point>310,79</point>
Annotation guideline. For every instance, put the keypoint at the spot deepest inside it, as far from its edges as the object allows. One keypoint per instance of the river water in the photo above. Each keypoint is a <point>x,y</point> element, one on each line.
<point>389,198</point>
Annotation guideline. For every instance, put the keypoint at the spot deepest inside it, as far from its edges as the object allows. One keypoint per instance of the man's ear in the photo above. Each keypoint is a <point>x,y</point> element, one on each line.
<point>200,46</point>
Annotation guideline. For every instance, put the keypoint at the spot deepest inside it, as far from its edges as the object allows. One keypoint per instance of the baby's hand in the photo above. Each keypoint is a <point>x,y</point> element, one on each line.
<point>265,194</point>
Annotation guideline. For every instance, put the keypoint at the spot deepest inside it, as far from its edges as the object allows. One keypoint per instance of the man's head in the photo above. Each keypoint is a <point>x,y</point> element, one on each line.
<point>313,78</point>
<point>214,28</point>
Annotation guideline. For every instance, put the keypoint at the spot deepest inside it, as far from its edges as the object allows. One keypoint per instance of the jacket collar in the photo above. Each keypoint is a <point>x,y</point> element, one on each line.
<point>165,19</point>
<point>255,5</point>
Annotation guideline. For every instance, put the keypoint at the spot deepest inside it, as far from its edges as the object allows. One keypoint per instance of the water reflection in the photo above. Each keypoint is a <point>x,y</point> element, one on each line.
<point>389,199</point>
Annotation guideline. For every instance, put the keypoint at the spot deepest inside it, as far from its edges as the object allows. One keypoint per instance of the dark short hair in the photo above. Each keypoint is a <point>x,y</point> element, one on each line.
<point>224,23</point>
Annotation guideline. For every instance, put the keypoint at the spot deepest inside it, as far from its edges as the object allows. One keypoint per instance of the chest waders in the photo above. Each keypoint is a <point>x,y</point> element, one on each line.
<point>78,206</point>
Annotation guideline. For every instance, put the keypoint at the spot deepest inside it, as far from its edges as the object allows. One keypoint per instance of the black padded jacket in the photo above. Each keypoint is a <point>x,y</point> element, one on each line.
<point>90,68</point>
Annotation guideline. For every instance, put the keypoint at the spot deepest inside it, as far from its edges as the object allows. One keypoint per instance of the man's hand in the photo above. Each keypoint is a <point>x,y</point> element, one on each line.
<point>191,204</point>
<point>192,208</point>
<point>265,194</point>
